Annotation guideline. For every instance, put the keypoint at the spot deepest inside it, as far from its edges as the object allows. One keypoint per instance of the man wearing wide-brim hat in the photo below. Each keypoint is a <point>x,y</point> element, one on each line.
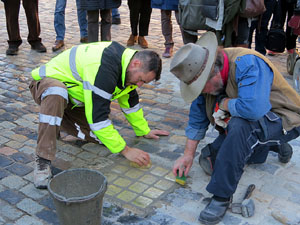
<point>245,97</point>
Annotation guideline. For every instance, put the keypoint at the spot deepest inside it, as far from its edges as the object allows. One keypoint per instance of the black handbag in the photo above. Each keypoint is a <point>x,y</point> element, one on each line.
<point>276,40</point>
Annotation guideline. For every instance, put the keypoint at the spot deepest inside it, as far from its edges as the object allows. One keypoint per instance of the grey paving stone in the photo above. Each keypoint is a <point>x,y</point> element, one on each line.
<point>19,169</point>
<point>48,216</point>
<point>270,168</point>
<point>8,125</point>
<point>22,158</point>
<point>230,219</point>
<point>48,202</point>
<point>27,150</point>
<point>164,219</point>
<point>13,182</point>
<point>5,161</point>
<point>32,192</point>
<point>29,206</point>
<point>28,220</point>
<point>8,211</point>
<point>3,140</point>
<point>11,197</point>
<point>3,173</point>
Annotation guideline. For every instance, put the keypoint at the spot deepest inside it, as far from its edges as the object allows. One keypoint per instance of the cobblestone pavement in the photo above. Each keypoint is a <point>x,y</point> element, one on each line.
<point>134,196</point>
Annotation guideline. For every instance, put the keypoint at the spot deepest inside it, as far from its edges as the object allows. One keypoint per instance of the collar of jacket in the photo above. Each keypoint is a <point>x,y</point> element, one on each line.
<point>126,58</point>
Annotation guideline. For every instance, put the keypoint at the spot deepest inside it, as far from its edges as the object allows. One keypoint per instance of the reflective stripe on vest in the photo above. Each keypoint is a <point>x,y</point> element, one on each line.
<point>52,120</point>
<point>131,110</point>
<point>42,71</point>
<point>87,86</point>
<point>72,64</point>
<point>100,125</point>
<point>55,91</point>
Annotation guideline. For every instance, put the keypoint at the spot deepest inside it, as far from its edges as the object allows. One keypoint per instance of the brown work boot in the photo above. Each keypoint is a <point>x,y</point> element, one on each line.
<point>58,45</point>
<point>132,39</point>
<point>142,42</point>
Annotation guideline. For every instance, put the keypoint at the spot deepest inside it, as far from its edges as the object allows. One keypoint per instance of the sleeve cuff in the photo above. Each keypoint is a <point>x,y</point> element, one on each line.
<point>232,108</point>
<point>195,134</point>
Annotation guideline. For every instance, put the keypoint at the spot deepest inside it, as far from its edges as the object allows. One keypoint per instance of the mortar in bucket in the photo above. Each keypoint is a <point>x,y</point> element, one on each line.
<point>78,196</point>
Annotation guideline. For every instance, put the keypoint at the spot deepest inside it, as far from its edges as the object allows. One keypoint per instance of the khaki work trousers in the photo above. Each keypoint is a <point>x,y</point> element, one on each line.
<point>73,119</point>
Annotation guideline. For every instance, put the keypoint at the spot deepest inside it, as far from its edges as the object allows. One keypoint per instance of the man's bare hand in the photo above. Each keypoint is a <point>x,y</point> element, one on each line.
<point>136,155</point>
<point>154,134</point>
<point>183,164</point>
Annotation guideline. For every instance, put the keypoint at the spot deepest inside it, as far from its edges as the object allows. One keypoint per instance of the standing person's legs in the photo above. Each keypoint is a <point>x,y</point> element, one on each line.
<point>167,30</point>
<point>93,25</point>
<point>59,19</point>
<point>145,15</point>
<point>105,24</point>
<point>186,37</point>
<point>59,24</point>
<point>261,34</point>
<point>34,30</point>
<point>290,37</point>
<point>82,21</point>
<point>12,9</point>
<point>52,96</point>
<point>134,7</point>
<point>116,19</point>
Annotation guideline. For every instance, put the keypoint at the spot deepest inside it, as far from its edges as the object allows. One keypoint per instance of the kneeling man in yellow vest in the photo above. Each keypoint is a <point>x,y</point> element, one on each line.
<point>74,91</point>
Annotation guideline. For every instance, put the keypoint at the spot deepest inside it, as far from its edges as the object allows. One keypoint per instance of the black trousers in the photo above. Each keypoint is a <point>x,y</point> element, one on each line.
<point>287,10</point>
<point>12,9</point>
<point>140,14</point>
<point>93,25</point>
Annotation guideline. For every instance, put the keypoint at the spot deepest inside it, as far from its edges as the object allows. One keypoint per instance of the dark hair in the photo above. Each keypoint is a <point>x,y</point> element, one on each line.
<point>151,61</point>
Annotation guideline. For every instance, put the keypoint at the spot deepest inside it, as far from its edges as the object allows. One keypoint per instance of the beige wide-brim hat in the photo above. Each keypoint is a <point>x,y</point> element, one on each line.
<point>192,64</point>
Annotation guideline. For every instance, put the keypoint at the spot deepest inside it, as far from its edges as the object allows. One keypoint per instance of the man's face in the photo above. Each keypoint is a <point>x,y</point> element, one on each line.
<point>136,76</point>
<point>214,85</point>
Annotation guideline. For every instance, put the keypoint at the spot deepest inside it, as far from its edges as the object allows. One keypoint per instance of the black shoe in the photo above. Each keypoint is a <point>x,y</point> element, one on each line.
<point>12,50</point>
<point>39,47</point>
<point>207,159</point>
<point>116,21</point>
<point>285,152</point>
<point>214,212</point>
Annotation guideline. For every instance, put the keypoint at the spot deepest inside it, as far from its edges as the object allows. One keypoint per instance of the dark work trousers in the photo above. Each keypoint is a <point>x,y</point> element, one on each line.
<point>261,33</point>
<point>167,29</point>
<point>93,25</point>
<point>287,10</point>
<point>57,113</point>
<point>245,142</point>
<point>12,9</point>
<point>140,14</point>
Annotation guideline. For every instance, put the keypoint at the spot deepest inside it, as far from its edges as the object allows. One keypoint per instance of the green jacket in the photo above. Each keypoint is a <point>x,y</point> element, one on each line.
<point>94,75</point>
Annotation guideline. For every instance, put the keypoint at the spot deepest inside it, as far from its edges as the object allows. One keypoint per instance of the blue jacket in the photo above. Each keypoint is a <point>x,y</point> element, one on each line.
<point>249,71</point>
<point>165,4</point>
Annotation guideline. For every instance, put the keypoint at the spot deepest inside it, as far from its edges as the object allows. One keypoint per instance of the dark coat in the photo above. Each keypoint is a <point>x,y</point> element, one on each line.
<point>165,4</point>
<point>99,4</point>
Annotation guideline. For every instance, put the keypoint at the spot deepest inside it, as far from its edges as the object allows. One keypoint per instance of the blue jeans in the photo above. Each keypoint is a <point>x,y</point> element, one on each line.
<point>246,142</point>
<point>115,13</point>
<point>59,19</point>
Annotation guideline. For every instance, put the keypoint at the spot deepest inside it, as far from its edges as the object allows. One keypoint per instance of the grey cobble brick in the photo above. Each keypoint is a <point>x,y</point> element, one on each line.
<point>22,158</point>
<point>8,211</point>
<point>5,161</point>
<point>28,220</point>
<point>13,182</point>
<point>29,206</point>
<point>48,216</point>
<point>30,191</point>
<point>3,173</point>
<point>19,169</point>
<point>11,197</point>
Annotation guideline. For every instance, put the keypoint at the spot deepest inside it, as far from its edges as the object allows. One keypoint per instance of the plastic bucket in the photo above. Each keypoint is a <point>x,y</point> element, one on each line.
<point>78,196</point>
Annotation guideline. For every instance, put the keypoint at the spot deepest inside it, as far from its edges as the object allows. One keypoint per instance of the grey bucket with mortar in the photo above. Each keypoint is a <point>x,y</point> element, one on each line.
<point>78,196</point>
